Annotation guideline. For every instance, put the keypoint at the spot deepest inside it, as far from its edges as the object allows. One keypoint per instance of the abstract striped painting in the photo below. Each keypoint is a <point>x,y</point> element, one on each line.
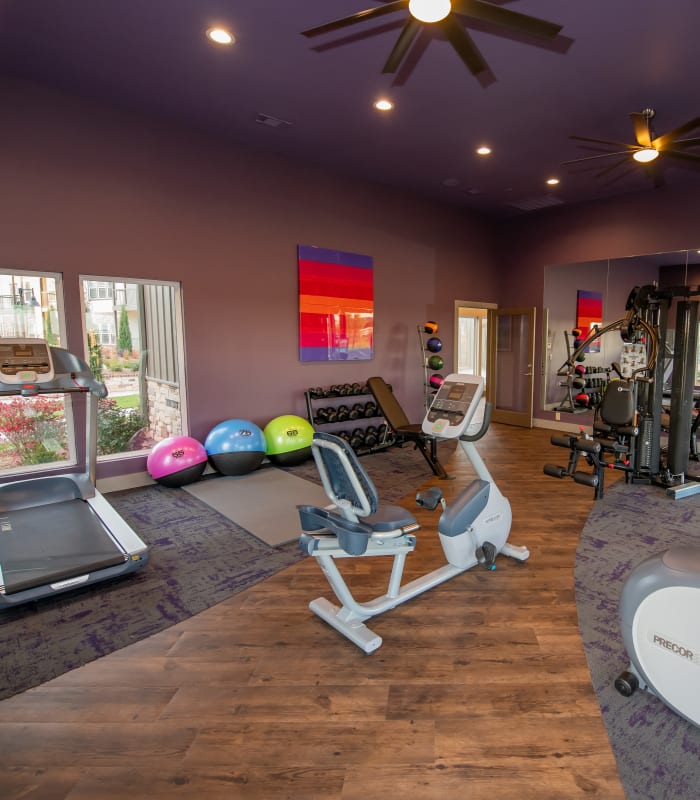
<point>336,305</point>
<point>589,312</point>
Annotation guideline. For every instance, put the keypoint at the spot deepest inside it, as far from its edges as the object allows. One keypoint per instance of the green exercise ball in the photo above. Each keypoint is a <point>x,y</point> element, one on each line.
<point>288,440</point>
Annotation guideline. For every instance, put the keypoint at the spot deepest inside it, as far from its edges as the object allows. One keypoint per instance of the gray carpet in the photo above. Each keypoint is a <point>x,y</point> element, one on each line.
<point>657,752</point>
<point>198,558</point>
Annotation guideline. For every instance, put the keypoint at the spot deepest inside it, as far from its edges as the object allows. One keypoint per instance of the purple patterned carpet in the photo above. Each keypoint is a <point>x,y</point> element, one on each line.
<point>657,752</point>
<point>197,559</point>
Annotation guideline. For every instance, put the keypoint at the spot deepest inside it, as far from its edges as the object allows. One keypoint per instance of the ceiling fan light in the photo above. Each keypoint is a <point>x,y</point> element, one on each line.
<point>645,155</point>
<point>429,10</point>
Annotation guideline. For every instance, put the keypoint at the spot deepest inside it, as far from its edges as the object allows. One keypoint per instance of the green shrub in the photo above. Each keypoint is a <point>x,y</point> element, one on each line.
<point>115,427</point>
<point>35,430</point>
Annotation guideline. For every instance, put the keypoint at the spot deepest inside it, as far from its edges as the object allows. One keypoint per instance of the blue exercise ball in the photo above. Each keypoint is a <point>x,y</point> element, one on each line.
<point>434,345</point>
<point>235,447</point>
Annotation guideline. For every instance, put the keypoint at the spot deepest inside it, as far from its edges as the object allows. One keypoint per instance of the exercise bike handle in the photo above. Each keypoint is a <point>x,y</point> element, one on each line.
<point>465,437</point>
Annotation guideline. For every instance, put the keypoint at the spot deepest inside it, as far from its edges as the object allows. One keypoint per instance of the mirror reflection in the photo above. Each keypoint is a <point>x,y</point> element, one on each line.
<point>570,289</point>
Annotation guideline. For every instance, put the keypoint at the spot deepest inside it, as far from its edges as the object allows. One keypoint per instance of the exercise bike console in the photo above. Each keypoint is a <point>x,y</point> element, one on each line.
<point>454,406</point>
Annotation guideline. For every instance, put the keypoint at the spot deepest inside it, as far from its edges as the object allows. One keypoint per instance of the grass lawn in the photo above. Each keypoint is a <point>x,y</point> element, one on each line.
<point>127,401</point>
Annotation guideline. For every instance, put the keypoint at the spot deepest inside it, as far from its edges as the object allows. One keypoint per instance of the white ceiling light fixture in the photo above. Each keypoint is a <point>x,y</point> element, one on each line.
<point>645,155</point>
<point>383,104</point>
<point>483,150</point>
<point>429,10</point>
<point>552,181</point>
<point>220,36</point>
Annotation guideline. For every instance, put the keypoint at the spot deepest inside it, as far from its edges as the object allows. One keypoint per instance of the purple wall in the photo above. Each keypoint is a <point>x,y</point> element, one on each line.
<point>89,190</point>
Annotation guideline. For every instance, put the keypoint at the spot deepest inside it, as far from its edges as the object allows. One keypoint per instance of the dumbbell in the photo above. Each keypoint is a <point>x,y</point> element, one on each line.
<point>357,439</point>
<point>370,436</point>
<point>370,409</point>
<point>356,411</point>
<point>321,417</point>
<point>332,415</point>
<point>343,413</point>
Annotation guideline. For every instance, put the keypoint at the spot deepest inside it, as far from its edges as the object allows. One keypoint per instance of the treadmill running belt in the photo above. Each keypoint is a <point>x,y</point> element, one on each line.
<point>51,543</point>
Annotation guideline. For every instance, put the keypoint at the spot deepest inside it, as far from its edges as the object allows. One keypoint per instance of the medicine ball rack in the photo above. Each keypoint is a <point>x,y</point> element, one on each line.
<point>584,385</point>
<point>349,411</point>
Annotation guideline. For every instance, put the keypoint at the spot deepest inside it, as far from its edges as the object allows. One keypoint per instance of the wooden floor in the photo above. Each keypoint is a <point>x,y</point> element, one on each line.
<point>480,690</point>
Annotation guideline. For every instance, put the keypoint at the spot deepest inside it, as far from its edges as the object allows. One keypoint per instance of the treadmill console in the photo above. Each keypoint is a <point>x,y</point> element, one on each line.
<point>25,361</point>
<point>454,406</point>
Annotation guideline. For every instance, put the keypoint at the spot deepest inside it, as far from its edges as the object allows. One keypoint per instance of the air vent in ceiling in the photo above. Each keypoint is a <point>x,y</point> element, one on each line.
<point>535,203</point>
<point>272,122</point>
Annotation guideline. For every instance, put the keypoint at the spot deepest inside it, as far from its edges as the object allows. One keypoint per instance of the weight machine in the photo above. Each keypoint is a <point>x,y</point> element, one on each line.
<point>630,439</point>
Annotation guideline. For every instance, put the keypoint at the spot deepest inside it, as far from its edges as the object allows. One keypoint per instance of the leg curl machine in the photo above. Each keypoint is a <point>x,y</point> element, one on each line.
<point>472,530</point>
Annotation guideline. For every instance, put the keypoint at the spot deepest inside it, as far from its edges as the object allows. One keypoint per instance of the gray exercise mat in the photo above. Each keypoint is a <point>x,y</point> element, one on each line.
<point>263,502</point>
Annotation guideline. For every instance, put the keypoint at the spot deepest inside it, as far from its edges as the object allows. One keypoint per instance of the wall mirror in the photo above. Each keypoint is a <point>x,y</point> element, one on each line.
<point>612,279</point>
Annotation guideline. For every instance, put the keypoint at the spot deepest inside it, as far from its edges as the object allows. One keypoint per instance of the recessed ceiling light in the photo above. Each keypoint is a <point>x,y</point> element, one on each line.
<point>483,150</point>
<point>552,181</point>
<point>220,36</point>
<point>383,104</point>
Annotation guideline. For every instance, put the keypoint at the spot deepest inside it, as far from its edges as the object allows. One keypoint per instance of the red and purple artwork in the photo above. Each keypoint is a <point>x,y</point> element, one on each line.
<point>589,312</point>
<point>336,305</point>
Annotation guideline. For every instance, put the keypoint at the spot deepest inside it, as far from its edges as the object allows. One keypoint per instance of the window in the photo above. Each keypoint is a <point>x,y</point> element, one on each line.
<point>35,432</point>
<point>134,344</point>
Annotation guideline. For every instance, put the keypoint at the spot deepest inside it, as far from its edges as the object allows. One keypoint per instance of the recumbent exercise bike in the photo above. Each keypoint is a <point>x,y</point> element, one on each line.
<point>473,529</point>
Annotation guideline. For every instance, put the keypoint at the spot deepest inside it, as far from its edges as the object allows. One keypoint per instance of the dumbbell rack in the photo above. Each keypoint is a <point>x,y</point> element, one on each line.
<point>349,411</point>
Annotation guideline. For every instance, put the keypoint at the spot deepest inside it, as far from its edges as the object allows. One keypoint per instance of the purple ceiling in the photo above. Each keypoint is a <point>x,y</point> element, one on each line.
<point>612,58</point>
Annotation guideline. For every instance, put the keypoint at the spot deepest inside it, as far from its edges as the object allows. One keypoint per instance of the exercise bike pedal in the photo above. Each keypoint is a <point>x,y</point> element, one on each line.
<point>430,498</point>
<point>486,555</point>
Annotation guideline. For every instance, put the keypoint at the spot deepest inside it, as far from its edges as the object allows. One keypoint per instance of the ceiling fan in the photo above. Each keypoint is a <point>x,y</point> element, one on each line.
<point>647,147</point>
<point>450,16</point>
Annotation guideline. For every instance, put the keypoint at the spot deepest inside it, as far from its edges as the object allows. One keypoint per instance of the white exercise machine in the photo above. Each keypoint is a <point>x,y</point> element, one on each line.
<point>661,632</point>
<point>473,529</point>
<point>57,532</point>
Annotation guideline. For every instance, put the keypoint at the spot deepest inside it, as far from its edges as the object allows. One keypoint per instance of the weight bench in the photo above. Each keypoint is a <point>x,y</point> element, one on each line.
<point>612,445</point>
<point>405,431</point>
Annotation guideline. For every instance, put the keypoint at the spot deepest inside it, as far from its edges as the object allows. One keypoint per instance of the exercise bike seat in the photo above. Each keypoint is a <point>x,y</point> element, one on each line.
<point>357,515</point>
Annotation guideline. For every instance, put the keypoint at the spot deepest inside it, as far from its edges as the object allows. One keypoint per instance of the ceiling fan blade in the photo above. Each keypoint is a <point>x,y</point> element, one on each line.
<point>505,18</point>
<point>604,141</point>
<point>661,142</point>
<point>641,129</point>
<point>695,159</point>
<point>591,158</point>
<point>369,13</point>
<point>405,40</point>
<point>463,44</point>
<point>687,142</point>
<point>629,169</point>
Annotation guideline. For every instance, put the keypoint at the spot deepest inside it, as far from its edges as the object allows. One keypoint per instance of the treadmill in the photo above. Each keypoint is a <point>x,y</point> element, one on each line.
<point>57,532</point>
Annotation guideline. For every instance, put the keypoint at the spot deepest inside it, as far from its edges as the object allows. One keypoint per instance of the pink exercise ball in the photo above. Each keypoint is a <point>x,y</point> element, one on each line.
<point>177,461</point>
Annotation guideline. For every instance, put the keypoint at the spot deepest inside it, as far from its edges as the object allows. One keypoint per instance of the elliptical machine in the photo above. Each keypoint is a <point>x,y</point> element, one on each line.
<point>660,631</point>
<point>473,529</point>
